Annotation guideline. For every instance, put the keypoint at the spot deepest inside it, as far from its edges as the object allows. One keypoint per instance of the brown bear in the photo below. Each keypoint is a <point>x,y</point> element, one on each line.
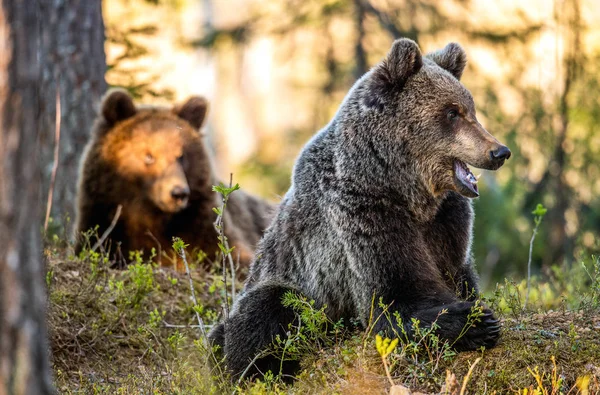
<point>379,209</point>
<point>152,161</point>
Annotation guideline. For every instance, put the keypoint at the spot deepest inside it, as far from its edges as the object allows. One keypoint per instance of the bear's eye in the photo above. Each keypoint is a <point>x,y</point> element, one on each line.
<point>149,159</point>
<point>452,114</point>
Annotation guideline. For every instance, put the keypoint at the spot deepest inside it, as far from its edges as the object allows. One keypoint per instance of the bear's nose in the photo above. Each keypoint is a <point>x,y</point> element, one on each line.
<point>500,154</point>
<point>180,193</point>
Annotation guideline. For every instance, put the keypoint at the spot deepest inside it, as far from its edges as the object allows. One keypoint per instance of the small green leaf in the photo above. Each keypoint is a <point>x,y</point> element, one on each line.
<point>225,191</point>
<point>540,210</point>
<point>178,244</point>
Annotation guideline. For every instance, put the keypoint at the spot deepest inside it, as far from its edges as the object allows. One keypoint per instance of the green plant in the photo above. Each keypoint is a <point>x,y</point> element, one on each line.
<point>422,352</point>
<point>142,282</point>
<point>538,215</point>
<point>473,318</point>
<point>594,275</point>
<point>179,246</point>
<point>223,243</point>
<point>311,332</point>
<point>156,318</point>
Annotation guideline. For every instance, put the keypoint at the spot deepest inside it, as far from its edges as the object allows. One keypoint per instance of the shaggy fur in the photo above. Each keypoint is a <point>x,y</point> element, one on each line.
<point>152,161</point>
<point>375,211</point>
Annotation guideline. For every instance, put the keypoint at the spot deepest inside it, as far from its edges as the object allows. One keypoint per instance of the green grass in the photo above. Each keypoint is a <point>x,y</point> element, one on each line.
<point>135,331</point>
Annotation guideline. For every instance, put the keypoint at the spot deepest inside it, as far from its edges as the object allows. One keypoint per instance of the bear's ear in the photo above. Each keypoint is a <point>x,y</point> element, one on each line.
<point>194,111</point>
<point>117,105</point>
<point>402,61</point>
<point>451,58</point>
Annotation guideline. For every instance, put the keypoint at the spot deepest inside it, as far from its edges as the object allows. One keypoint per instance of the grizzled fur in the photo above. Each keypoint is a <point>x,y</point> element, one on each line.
<point>374,211</point>
<point>153,162</point>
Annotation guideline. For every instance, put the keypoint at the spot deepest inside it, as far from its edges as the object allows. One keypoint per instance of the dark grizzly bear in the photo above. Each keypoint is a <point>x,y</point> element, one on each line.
<point>152,161</point>
<point>379,208</point>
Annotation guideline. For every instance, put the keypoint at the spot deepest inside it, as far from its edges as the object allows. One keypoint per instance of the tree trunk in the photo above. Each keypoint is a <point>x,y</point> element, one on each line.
<point>360,56</point>
<point>561,243</point>
<point>72,54</point>
<point>24,367</point>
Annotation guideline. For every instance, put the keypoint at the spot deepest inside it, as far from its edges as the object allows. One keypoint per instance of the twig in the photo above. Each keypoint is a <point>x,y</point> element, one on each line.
<point>288,342</point>
<point>466,379</point>
<point>220,228</point>
<point>259,355</point>
<point>56,150</point>
<point>535,230</point>
<point>529,267</point>
<point>232,268</point>
<point>372,323</point>
<point>387,371</point>
<point>159,248</point>
<point>226,299</point>
<point>167,325</point>
<point>109,229</point>
<point>189,275</point>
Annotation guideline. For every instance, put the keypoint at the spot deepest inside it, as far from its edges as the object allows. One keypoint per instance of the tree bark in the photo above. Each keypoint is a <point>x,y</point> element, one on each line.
<point>24,366</point>
<point>561,246</point>
<point>72,54</point>
<point>560,240</point>
<point>360,56</point>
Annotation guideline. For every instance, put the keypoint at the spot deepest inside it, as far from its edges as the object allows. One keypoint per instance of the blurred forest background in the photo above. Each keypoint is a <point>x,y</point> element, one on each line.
<point>276,71</point>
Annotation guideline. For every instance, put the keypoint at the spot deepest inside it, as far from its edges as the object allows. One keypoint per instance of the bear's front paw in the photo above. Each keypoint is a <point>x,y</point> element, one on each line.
<point>483,330</point>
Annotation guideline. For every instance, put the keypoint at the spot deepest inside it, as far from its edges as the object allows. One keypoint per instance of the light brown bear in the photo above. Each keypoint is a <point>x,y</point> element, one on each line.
<point>152,161</point>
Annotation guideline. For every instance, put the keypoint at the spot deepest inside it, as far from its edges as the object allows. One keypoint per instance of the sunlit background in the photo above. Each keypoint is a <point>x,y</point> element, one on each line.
<point>276,71</point>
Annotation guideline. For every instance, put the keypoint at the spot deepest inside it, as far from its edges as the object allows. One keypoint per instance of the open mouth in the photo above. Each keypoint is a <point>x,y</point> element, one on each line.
<point>466,182</point>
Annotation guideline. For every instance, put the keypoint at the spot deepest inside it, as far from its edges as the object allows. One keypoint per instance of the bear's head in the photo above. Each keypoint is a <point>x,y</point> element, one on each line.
<point>155,155</point>
<point>415,106</point>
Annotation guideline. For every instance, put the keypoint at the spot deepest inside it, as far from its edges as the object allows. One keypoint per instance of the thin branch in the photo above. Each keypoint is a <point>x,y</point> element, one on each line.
<point>387,370</point>
<point>220,228</point>
<point>189,275</point>
<point>535,230</point>
<point>148,233</point>
<point>167,325</point>
<point>56,151</point>
<point>259,355</point>
<point>468,376</point>
<point>109,229</point>
<point>233,268</point>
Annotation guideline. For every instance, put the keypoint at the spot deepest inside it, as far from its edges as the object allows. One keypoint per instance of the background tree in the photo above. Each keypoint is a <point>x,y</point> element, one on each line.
<point>24,367</point>
<point>554,135</point>
<point>72,58</point>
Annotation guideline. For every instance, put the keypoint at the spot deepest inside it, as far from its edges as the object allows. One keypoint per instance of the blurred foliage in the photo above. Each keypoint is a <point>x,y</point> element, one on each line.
<point>554,130</point>
<point>129,40</point>
<point>551,130</point>
<point>561,130</point>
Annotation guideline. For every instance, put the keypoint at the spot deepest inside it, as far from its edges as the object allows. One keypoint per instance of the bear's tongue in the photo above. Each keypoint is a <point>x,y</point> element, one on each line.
<point>466,181</point>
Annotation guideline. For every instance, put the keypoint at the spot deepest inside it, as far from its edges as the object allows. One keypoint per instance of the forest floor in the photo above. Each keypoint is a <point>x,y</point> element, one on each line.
<point>135,331</point>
